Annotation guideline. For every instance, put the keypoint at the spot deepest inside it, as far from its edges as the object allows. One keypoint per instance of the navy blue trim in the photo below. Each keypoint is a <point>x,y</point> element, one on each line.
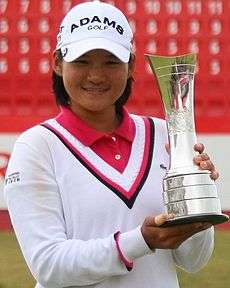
<point>128,202</point>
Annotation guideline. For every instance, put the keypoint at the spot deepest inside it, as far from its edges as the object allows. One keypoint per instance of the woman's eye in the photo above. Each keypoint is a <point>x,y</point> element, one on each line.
<point>111,62</point>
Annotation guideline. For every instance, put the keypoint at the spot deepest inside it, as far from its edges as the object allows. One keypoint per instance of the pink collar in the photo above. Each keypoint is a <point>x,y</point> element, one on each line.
<point>87,135</point>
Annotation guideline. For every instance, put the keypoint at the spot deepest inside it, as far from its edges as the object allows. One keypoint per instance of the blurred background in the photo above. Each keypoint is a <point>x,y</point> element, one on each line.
<point>165,27</point>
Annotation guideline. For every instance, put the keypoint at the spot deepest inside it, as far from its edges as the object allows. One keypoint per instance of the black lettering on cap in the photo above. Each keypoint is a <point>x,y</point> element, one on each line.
<point>73,26</point>
<point>112,23</point>
<point>96,18</point>
<point>120,29</point>
<point>84,21</point>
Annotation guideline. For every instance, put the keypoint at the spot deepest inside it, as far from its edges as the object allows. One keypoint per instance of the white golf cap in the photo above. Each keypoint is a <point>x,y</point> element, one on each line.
<point>94,25</point>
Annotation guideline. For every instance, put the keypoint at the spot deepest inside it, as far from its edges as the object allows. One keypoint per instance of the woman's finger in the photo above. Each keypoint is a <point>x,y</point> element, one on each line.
<point>162,218</point>
<point>207,165</point>
<point>214,175</point>
<point>199,147</point>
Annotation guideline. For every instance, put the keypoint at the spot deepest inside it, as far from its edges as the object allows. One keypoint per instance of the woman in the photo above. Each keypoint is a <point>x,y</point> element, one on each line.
<point>87,203</point>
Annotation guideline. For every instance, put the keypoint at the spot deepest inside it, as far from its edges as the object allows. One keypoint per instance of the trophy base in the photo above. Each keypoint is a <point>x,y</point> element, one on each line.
<point>192,198</point>
<point>213,219</point>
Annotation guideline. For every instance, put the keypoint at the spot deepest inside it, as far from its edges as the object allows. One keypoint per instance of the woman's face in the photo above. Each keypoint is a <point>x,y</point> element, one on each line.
<point>94,81</point>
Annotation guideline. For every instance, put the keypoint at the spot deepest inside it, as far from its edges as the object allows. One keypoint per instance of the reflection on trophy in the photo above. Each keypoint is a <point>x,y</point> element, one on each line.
<point>189,193</point>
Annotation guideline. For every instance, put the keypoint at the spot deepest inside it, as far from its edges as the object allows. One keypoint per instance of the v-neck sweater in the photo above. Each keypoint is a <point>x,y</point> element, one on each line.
<point>66,203</point>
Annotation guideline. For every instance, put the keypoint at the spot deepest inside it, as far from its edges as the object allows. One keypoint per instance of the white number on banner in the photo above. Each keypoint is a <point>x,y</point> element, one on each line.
<point>24,66</point>
<point>172,47</point>
<point>151,27</point>
<point>194,26</point>
<point>172,26</point>
<point>214,67</point>
<point>131,6</point>
<point>194,7</point>
<point>45,6</point>
<point>4,26</point>
<point>44,66</point>
<point>216,27</point>
<point>24,45</point>
<point>23,25</point>
<point>3,6</point>
<point>45,46</point>
<point>66,6</point>
<point>173,7</point>
<point>24,6</point>
<point>214,47</point>
<point>3,65</point>
<point>193,46</point>
<point>215,7</point>
<point>152,6</point>
<point>4,47</point>
<point>43,25</point>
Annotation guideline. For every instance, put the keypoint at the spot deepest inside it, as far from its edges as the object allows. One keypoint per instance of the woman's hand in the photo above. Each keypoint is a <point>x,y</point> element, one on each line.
<point>203,161</point>
<point>168,237</point>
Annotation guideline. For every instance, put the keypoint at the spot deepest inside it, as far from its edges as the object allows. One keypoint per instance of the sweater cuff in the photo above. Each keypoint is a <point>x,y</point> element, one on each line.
<point>133,245</point>
<point>128,264</point>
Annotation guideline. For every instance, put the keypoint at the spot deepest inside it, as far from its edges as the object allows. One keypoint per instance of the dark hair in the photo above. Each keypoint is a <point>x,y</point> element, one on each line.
<point>62,97</point>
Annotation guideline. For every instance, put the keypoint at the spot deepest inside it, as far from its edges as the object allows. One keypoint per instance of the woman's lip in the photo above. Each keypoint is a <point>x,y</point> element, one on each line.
<point>95,89</point>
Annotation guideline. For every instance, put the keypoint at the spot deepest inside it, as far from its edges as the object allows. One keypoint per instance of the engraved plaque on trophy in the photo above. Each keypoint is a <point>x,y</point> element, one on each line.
<point>189,192</point>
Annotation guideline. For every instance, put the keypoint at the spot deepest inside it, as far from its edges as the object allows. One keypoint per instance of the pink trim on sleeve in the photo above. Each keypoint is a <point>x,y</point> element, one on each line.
<point>123,259</point>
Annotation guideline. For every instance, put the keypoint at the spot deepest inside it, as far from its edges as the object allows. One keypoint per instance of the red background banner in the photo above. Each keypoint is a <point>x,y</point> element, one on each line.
<point>166,27</point>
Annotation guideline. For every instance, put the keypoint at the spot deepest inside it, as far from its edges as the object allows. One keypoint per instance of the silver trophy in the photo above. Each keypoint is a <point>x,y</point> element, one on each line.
<point>189,193</point>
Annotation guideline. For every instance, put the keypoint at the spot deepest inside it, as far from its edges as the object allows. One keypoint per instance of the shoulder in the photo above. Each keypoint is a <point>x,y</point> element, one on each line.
<point>35,137</point>
<point>32,148</point>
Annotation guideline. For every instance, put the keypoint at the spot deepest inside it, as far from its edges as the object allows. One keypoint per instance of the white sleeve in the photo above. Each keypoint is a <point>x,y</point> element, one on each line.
<point>194,253</point>
<point>35,208</point>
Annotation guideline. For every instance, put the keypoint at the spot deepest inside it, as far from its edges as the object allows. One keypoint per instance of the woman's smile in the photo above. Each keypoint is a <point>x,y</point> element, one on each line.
<point>95,89</point>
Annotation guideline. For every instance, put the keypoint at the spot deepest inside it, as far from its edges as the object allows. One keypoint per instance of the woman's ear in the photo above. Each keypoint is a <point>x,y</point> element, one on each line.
<point>132,62</point>
<point>57,64</point>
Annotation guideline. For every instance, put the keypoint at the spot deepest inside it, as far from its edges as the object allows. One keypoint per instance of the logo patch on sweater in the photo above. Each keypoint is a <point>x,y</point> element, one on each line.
<point>12,178</point>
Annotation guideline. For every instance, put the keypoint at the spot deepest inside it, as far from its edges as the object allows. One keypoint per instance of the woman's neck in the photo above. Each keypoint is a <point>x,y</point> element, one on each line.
<point>106,121</point>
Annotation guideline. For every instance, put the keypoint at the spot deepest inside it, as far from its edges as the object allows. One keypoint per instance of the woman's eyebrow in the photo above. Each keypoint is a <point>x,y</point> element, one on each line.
<point>111,56</point>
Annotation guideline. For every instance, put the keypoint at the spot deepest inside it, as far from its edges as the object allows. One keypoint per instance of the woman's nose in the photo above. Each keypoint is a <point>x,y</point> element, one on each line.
<point>96,74</point>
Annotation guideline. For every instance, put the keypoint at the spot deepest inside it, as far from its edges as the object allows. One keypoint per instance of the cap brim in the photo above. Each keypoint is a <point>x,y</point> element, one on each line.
<point>77,49</point>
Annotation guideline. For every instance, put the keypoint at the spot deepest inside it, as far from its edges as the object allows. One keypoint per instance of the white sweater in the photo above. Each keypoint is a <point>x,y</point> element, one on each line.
<point>66,203</point>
